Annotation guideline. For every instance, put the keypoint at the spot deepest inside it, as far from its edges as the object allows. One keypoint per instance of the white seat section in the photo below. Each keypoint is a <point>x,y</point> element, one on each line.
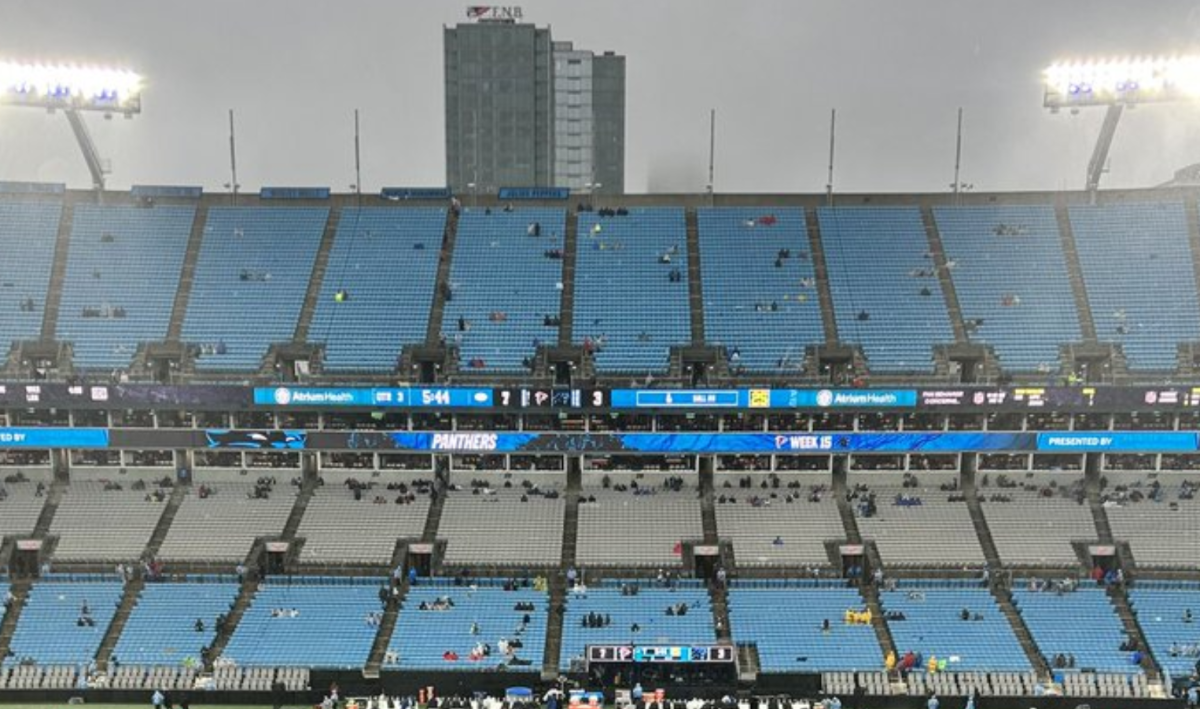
<point>936,532</point>
<point>1163,528</point>
<point>480,527</point>
<point>754,517</point>
<point>223,527</point>
<point>20,508</point>
<point>625,529</point>
<point>336,528</point>
<point>1034,525</point>
<point>97,524</point>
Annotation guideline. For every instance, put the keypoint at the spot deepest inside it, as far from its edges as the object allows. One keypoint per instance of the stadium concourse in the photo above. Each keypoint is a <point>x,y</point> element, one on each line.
<point>895,448</point>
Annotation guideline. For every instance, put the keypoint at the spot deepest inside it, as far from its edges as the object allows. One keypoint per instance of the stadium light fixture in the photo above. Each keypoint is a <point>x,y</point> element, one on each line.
<point>81,88</point>
<point>72,89</point>
<point>1115,84</point>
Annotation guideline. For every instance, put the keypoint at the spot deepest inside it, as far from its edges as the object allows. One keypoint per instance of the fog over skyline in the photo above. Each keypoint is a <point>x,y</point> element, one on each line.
<point>896,72</point>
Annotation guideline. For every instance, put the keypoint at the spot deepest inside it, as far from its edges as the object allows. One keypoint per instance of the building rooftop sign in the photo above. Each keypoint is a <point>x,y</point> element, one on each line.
<point>494,13</point>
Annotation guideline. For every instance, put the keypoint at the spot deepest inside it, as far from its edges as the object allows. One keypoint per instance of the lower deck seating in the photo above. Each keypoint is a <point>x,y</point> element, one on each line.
<point>933,626</point>
<point>483,612</point>
<point>37,677</point>
<point>50,632</point>
<point>786,623</point>
<point>162,629</point>
<point>639,619</point>
<point>152,678</point>
<point>307,625</point>
<point>1081,623</point>
<point>1169,615</point>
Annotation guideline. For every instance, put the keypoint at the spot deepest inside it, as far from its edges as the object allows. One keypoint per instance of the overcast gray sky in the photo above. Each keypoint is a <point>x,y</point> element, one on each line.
<point>294,70</point>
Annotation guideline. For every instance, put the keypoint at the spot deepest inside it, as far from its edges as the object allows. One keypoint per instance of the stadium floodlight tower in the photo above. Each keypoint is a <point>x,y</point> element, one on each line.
<point>1115,84</point>
<point>73,90</point>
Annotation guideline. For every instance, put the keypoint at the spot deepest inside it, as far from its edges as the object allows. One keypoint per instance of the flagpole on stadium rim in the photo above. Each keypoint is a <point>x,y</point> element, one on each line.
<point>712,149</point>
<point>832,136</point>
<point>957,156</point>
<point>357,164</point>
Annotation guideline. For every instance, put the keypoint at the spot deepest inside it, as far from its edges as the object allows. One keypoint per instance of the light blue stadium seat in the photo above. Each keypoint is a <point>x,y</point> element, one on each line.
<point>161,630</point>
<point>870,253</point>
<point>786,625</point>
<point>499,268</point>
<point>1012,250</point>
<point>330,631</point>
<point>386,260</point>
<point>278,246</point>
<point>737,263</point>
<point>1137,266</point>
<point>27,234</point>
<point>933,627</point>
<point>648,609</point>
<point>1160,613</point>
<point>623,291</point>
<point>47,631</point>
<point>422,637</point>
<point>1082,623</point>
<point>137,270</point>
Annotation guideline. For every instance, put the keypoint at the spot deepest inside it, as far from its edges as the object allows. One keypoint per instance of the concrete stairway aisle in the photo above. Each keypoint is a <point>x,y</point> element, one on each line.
<point>1120,600</point>
<point>317,278</point>
<point>54,495</point>
<point>20,591</point>
<point>387,626</point>
<point>883,634</point>
<point>558,585</point>
<point>1003,597</point>
<point>947,282</point>
<point>178,495</point>
<point>441,289</point>
<point>695,287</point>
<point>245,596</point>
<point>434,521</point>
<point>984,533</point>
<point>187,276</point>
<point>297,514</point>
<point>129,600</point>
<point>821,271</point>
<point>1066,232</point>
<point>1099,516</point>
<point>708,509</point>
<point>58,272</point>
<point>566,308</point>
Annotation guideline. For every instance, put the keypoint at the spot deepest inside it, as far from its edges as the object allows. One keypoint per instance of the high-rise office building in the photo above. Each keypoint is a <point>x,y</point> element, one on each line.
<point>525,111</point>
<point>589,120</point>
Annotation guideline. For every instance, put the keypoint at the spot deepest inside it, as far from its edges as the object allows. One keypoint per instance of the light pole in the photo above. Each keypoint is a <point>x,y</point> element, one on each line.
<point>1115,84</point>
<point>74,89</point>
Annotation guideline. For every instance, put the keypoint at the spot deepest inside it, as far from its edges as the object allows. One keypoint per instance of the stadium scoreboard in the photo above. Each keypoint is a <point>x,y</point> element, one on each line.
<point>951,400</point>
<point>661,654</point>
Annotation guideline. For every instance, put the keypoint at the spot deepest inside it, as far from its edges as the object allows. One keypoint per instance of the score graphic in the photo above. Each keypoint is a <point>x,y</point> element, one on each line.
<point>560,398</point>
<point>660,654</point>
